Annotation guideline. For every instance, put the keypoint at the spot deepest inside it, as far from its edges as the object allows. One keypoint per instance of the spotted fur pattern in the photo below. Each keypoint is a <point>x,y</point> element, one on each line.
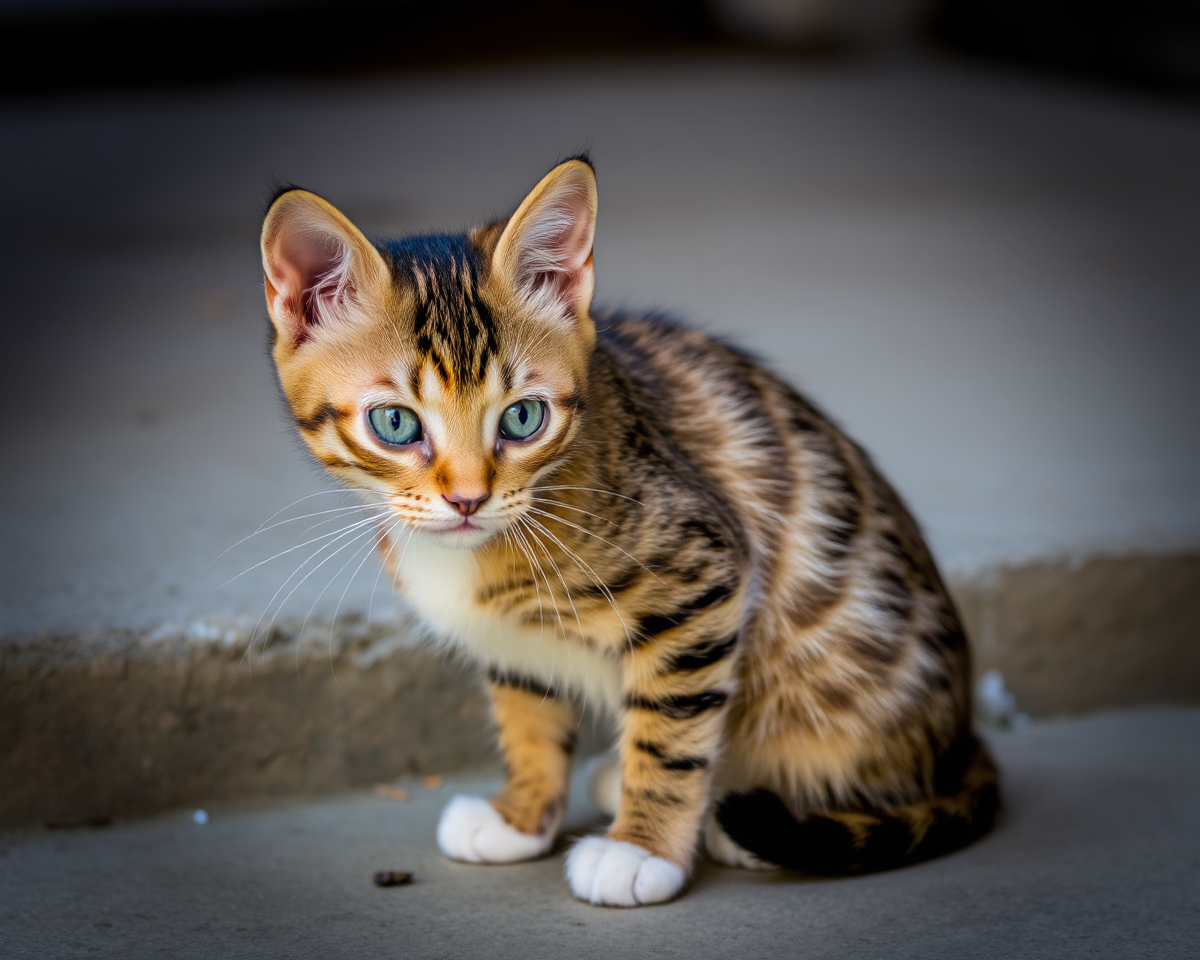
<point>685,542</point>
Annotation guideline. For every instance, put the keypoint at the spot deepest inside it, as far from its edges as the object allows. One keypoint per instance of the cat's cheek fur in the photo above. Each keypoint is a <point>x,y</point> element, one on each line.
<point>473,831</point>
<point>613,873</point>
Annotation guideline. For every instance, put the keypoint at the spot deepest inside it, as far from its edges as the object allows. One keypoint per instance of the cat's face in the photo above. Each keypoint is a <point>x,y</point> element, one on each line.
<point>445,376</point>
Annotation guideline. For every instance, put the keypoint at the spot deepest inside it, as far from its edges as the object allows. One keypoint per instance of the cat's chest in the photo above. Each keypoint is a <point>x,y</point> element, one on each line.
<point>442,587</point>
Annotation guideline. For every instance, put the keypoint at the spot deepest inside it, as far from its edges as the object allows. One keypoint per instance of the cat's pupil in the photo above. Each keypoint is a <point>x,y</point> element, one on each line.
<point>522,420</point>
<point>396,426</point>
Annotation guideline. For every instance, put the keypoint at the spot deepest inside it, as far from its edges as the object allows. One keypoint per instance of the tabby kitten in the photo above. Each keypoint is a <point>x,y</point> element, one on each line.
<point>625,512</point>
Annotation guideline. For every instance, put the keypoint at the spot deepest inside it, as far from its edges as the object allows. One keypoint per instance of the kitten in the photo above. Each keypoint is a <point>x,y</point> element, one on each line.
<point>623,511</point>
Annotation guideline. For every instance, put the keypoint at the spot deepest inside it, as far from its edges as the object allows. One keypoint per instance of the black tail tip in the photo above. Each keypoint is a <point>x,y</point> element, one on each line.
<point>761,823</point>
<point>830,846</point>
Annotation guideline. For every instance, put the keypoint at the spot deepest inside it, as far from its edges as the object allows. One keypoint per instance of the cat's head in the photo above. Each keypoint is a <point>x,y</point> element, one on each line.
<point>445,375</point>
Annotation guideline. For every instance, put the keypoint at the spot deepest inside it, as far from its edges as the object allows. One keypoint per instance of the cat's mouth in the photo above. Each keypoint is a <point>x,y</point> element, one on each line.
<point>466,533</point>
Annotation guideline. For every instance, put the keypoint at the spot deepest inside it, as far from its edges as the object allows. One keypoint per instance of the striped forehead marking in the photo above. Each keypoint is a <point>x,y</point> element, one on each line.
<point>452,328</point>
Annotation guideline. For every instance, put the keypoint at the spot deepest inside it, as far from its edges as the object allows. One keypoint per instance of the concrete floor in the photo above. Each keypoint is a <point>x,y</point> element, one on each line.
<point>990,280</point>
<point>1097,855</point>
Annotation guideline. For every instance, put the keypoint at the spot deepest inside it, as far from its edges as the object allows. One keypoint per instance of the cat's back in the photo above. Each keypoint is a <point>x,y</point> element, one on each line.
<point>713,405</point>
<point>835,552</point>
<point>776,459</point>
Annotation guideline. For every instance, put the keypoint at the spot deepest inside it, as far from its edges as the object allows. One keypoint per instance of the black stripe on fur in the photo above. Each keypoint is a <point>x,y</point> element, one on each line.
<point>682,707</point>
<point>679,764</point>
<point>518,682</point>
<point>702,655</point>
<point>651,626</point>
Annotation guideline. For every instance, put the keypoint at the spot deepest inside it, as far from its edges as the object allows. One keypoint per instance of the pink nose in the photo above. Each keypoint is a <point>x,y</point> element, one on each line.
<point>464,505</point>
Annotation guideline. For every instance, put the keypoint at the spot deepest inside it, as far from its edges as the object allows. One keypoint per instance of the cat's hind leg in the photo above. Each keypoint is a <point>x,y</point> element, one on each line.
<point>723,850</point>
<point>537,735</point>
<point>604,783</point>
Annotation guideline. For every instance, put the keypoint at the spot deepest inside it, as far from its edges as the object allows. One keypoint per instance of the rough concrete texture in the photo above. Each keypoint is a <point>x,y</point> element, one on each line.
<point>121,724</point>
<point>116,725</point>
<point>1071,637</point>
<point>1097,855</point>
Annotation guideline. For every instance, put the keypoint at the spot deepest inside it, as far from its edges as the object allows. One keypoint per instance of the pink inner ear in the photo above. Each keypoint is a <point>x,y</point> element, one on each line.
<point>562,284</point>
<point>557,248</point>
<point>310,272</point>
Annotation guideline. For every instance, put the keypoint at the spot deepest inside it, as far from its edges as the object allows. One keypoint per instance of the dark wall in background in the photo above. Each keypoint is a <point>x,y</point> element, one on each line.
<point>62,51</point>
<point>1152,43</point>
<point>71,47</point>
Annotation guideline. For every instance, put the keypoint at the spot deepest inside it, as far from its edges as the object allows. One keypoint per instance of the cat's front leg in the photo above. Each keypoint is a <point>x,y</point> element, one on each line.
<point>677,691</point>
<point>537,736</point>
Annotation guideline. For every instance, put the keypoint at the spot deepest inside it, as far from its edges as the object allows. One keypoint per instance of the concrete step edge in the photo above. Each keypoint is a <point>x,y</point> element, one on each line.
<point>120,723</point>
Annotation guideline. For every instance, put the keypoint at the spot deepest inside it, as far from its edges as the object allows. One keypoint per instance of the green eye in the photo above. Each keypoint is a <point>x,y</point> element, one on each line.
<point>395,425</point>
<point>522,419</point>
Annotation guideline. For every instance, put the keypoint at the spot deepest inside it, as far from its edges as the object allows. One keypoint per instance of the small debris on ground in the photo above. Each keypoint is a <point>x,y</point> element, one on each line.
<point>393,878</point>
<point>200,817</point>
<point>391,791</point>
<point>431,783</point>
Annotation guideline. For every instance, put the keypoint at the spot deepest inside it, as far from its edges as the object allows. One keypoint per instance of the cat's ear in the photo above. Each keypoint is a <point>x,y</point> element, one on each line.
<point>318,267</point>
<point>545,250</point>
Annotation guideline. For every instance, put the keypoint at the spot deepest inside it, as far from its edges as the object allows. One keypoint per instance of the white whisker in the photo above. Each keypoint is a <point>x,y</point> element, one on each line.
<point>585,567</point>
<point>338,609</point>
<point>610,493</point>
<point>267,525</point>
<point>534,569</point>
<point>563,629</point>
<point>383,566</point>
<point>300,633</point>
<point>324,536</point>
<point>562,579</point>
<point>321,523</point>
<point>316,553</point>
<point>567,506</point>
<point>600,538</point>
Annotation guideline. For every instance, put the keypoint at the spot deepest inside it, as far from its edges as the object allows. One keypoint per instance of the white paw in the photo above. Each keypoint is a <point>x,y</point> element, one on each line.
<point>604,783</point>
<point>471,829</point>
<point>722,849</point>
<point>612,873</point>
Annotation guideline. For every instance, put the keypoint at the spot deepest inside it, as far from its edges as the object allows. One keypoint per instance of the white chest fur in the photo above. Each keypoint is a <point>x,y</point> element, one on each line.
<point>441,584</point>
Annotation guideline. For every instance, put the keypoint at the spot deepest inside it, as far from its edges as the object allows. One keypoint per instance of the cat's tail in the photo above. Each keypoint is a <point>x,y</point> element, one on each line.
<point>867,840</point>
